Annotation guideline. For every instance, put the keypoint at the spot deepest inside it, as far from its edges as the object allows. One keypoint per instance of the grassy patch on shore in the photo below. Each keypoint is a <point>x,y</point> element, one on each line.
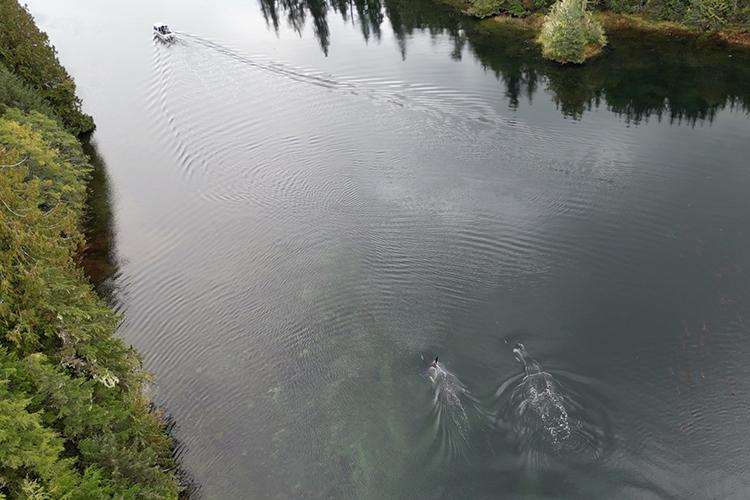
<point>733,35</point>
<point>732,29</point>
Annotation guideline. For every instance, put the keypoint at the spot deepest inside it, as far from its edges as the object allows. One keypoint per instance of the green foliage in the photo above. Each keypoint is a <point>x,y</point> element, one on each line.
<point>570,33</point>
<point>73,419</point>
<point>16,93</point>
<point>27,52</point>
<point>712,14</point>
<point>705,14</point>
<point>485,8</point>
<point>516,8</point>
<point>27,448</point>
<point>32,454</point>
<point>72,415</point>
<point>52,155</point>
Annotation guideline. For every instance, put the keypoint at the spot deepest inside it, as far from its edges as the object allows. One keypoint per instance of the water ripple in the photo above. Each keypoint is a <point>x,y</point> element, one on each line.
<point>549,417</point>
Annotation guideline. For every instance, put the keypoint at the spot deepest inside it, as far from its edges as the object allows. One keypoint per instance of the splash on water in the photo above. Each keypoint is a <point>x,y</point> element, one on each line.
<point>539,402</point>
<point>450,419</point>
<point>546,419</point>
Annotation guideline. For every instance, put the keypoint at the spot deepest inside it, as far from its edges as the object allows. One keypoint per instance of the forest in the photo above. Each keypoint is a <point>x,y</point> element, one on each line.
<point>74,418</point>
<point>703,14</point>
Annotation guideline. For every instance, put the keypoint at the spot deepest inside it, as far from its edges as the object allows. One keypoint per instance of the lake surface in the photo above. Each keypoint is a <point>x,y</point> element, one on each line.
<point>299,208</point>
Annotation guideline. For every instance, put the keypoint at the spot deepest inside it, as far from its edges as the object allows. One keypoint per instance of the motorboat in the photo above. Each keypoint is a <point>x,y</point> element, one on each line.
<point>163,32</point>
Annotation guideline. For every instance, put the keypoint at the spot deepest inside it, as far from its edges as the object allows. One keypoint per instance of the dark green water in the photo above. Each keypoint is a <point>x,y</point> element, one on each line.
<point>302,204</point>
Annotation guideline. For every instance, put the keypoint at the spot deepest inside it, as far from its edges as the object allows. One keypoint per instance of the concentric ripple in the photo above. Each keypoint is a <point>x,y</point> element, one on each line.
<point>291,229</point>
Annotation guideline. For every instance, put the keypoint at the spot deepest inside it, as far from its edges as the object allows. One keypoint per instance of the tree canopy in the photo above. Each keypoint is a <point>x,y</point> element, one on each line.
<point>26,51</point>
<point>72,415</point>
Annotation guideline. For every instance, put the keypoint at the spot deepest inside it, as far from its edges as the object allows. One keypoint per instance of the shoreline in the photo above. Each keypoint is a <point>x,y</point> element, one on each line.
<point>74,391</point>
<point>611,21</point>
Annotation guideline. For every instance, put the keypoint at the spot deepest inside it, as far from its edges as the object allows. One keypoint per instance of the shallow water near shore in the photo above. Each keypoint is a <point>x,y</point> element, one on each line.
<point>304,206</point>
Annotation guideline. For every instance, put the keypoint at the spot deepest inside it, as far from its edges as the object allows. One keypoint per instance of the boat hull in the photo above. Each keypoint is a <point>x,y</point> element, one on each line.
<point>164,38</point>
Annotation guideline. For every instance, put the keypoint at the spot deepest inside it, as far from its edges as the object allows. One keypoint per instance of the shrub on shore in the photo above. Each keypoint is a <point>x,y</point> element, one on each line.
<point>487,8</point>
<point>710,15</point>
<point>570,34</point>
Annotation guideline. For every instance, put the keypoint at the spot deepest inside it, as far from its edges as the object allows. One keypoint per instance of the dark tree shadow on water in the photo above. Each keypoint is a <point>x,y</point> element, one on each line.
<point>97,256</point>
<point>98,260</point>
<point>682,80</point>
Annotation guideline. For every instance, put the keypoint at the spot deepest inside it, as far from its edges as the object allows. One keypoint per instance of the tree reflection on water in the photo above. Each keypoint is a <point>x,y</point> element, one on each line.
<point>680,79</point>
